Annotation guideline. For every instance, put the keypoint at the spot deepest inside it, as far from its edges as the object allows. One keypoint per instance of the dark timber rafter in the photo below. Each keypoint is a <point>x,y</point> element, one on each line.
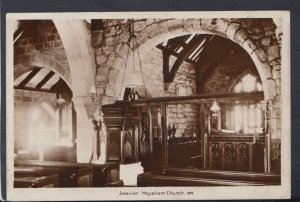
<point>28,78</point>
<point>175,54</point>
<point>42,82</point>
<point>169,74</point>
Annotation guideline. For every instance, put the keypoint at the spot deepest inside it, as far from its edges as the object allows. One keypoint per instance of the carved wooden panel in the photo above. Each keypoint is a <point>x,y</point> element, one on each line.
<point>129,145</point>
<point>235,152</point>
<point>215,156</point>
<point>243,157</point>
<point>113,143</point>
<point>229,156</point>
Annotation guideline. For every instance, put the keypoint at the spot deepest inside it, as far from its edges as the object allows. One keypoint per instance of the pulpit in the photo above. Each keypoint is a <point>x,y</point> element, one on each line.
<point>122,127</point>
<point>133,133</point>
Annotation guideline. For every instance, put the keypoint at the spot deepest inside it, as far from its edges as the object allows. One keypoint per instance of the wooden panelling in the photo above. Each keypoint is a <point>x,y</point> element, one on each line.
<point>235,153</point>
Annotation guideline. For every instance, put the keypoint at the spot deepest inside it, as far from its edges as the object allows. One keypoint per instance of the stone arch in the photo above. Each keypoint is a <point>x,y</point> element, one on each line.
<point>76,40</point>
<point>43,61</point>
<point>161,30</point>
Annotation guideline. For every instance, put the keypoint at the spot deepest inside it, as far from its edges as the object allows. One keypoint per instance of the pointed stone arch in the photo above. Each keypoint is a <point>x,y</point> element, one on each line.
<point>43,61</point>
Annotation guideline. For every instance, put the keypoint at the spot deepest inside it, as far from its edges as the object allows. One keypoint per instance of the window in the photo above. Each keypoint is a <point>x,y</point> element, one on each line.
<point>247,84</point>
<point>244,117</point>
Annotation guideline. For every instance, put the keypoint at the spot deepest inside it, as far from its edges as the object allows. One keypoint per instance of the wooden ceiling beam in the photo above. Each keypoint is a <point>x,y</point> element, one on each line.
<point>33,89</point>
<point>44,80</point>
<point>28,78</point>
<point>161,47</point>
<point>184,54</point>
<point>200,98</point>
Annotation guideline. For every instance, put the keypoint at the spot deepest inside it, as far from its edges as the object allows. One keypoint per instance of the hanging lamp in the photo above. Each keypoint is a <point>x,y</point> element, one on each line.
<point>132,42</point>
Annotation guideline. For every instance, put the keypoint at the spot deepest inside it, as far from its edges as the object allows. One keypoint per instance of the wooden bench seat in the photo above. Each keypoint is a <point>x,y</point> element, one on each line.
<point>147,179</point>
<point>266,178</point>
<point>35,182</point>
<point>103,174</point>
<point>80,177</point>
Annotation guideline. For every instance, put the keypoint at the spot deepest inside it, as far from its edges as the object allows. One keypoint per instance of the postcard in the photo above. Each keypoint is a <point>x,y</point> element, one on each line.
<point>148,105</point>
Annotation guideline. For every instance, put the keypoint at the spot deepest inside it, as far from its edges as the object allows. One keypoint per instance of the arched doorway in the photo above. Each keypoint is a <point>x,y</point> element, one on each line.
<point>45,119</point>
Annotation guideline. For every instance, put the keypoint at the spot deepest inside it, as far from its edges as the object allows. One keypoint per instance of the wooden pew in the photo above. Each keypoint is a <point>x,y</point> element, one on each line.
<point>80,177</point>
<point>35,182</point>
<point>103,174</point>
<point>266,178</point>
<point>153,180</point>
<point>189,177</point>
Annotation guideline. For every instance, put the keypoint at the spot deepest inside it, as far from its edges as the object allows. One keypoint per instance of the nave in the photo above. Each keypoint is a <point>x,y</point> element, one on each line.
<point>147,102</point>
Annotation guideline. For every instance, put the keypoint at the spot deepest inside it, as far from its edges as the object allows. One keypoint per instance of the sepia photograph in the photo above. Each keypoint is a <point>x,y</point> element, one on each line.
<point>148,106</point>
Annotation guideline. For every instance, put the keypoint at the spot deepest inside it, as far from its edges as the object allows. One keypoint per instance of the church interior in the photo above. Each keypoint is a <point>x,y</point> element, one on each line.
<point>147,102</point>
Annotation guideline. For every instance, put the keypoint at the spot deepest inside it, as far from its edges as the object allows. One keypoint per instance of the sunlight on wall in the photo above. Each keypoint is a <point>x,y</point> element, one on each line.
<point>43,128</point>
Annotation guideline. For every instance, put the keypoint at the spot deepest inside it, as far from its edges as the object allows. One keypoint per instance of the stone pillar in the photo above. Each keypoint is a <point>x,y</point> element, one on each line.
<point>273,134</point>
<point>85,129</point>
<point>266,109</point>
<point>103,145</point>
<point>150,130</point>
<point>68,124</point>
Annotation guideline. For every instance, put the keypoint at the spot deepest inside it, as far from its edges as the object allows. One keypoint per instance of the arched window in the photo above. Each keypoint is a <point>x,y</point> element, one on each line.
<point>248,83</point>
<point>244,117</point>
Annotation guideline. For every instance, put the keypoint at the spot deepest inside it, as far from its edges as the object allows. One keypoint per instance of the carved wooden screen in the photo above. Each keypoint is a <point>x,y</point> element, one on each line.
<point>113,143</point>
<point>129,147</point>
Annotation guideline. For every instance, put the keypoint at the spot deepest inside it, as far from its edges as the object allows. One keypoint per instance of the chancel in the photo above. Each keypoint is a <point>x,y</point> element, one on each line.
<point>147,102</point>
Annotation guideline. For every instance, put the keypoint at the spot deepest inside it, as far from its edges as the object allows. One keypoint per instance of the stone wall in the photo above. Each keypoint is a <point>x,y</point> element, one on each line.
<point>185,117</point>
<point>256,36</point>
<point>40,45</point>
